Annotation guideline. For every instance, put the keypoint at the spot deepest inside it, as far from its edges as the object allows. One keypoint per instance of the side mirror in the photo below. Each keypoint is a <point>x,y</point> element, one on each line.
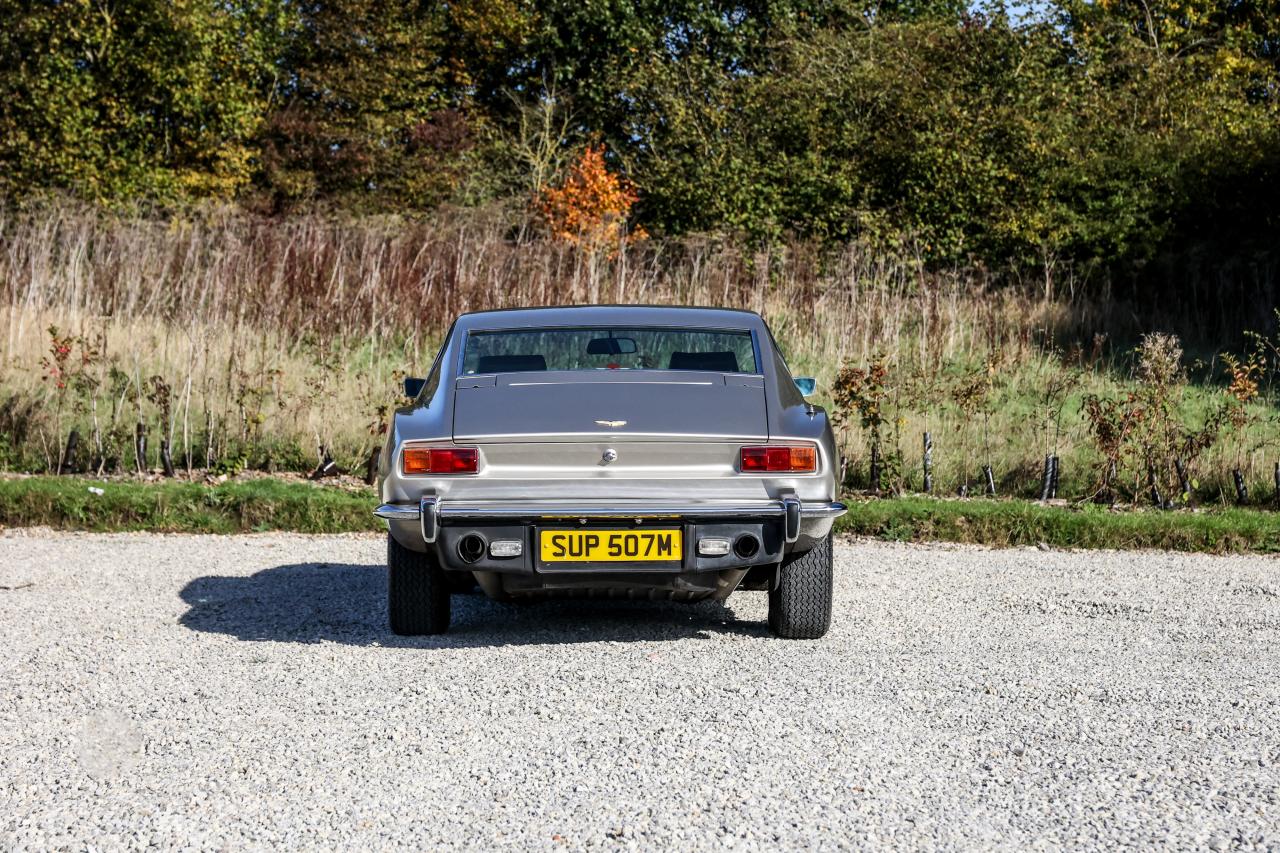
<point>806,385</point>
<point>413,386</point>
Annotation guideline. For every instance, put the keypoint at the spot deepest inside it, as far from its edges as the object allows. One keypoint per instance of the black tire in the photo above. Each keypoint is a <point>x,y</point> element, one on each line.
<point>417,592</point>
<point>800,603</point>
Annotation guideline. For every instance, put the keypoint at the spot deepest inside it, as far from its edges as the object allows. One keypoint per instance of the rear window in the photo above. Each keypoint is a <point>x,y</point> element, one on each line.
<point>523,350</point>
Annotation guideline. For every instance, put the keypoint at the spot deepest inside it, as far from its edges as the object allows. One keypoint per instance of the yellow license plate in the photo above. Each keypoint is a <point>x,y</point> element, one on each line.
<point>609,546</point>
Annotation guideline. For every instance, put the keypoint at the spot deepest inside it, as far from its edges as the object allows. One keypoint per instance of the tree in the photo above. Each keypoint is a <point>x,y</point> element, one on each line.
<point>589,206</point>
<point>122,100</point>
<point>365,117</point>
<point>977,138</point>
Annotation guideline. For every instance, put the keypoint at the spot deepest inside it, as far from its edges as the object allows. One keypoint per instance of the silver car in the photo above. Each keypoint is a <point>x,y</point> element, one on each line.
<point>615,451</point>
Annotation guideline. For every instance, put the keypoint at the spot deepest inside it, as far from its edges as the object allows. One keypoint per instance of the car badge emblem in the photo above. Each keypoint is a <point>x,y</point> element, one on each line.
<point>611,423</point>
<point>609,455</point>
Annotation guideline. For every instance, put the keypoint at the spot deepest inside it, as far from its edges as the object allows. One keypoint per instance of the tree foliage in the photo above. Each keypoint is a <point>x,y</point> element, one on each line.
<point>366,116</point>
<point>590,206</point>
<point>1100,132</point>
<point>138,99</point>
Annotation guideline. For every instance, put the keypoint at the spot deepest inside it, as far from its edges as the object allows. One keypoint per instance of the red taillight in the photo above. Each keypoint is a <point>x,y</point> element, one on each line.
<point>771,458</point>
<point>440,460</point>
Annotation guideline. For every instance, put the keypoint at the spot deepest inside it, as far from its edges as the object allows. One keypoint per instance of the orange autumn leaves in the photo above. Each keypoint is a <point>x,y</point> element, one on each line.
<point>590,206</point>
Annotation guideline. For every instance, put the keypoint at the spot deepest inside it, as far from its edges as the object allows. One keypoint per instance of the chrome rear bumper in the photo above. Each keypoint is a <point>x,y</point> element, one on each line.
<point>430,512</point>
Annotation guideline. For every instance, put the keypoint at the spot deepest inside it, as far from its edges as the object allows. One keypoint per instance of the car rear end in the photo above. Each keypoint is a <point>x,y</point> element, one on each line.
<point>646,468</point>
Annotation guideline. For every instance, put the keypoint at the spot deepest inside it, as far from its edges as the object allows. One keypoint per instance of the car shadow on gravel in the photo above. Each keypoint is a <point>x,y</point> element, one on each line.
<point>345,603</point>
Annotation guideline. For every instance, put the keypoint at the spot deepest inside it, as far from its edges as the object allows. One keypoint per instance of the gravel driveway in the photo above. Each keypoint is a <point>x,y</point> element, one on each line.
<point>244,692</point>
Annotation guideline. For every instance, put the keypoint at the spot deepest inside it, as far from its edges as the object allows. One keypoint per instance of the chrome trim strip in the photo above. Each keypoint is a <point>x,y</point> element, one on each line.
<point>398,512</point>
<point>535,509</point>
<point>511,509</point>
<point>834,509</point>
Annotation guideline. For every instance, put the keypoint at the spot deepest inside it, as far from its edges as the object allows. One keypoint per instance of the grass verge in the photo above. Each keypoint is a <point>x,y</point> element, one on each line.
<point>172,507</point>
<point>1015,522</point>
<point>268,504</point>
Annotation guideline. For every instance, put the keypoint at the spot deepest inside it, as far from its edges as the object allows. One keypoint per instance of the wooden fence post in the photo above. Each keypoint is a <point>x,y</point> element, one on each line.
<point>1183,482</point>
<point>140,447</point>
<point>1155,488</point>
<point>166,457</point>
<point>1242,491</point>
<point>327,467</point>
<point>69,455</point>
<point>875,468</point>
<point>208,440</point>
<point>928,464</point>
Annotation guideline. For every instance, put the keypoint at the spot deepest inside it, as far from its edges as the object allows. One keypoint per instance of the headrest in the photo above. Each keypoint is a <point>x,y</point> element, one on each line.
<point>719,362</point>
<point>510,363</point>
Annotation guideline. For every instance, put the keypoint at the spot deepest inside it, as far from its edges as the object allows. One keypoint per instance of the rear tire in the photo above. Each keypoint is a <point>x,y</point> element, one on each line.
<point>417,592</point>
<point>800,603</point>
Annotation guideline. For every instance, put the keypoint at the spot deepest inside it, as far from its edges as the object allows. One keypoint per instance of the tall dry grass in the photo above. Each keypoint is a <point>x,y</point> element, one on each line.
<point>387,279</point>
<point>280,340</point>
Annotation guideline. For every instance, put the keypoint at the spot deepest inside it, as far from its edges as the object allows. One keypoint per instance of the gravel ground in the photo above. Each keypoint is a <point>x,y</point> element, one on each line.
<point>244,692</point>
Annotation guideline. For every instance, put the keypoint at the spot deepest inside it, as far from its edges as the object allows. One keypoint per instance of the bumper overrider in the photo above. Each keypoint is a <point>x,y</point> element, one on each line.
<point>501,536</point>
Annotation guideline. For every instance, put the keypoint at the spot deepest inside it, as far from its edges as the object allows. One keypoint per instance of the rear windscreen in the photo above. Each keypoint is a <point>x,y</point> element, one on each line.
<point>522,350</point>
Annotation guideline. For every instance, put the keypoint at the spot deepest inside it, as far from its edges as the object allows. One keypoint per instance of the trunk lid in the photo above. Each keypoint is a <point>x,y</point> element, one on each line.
<point>631,405</point>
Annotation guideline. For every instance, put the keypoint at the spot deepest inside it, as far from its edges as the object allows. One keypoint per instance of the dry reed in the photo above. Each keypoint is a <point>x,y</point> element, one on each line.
<point>294,332</point>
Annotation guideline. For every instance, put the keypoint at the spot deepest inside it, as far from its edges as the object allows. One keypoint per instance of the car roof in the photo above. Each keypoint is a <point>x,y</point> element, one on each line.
<point>610,315</point>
